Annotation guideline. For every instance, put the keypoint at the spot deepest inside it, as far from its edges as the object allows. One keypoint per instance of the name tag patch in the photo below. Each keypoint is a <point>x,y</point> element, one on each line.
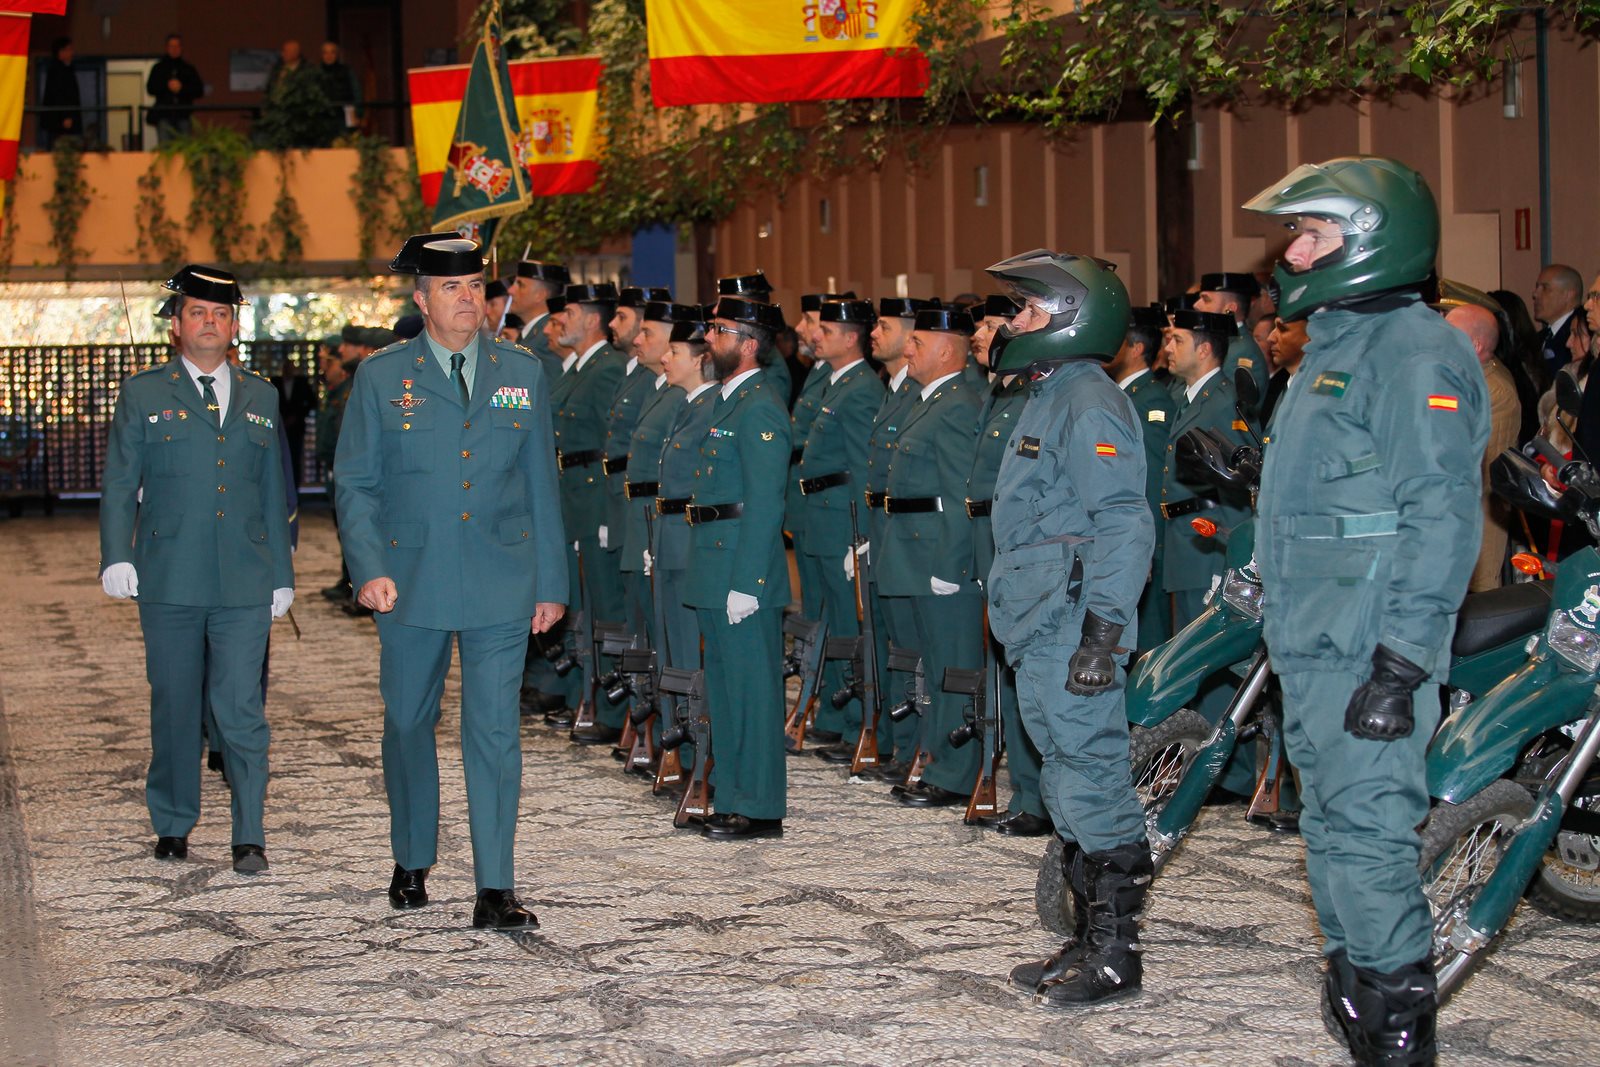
<point>1028,448</point>
<point>1331,383</point>
<point>511,396</point>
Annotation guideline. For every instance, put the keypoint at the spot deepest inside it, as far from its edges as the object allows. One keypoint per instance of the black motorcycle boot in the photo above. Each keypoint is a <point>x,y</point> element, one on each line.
<point>1395,1016</point>
<point>1338,1005</point>
<point>1029,975</point>
<point>1107,964</point>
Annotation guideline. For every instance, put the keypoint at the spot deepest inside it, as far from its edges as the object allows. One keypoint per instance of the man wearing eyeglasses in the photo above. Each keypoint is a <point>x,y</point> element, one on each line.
<point>738,576</point>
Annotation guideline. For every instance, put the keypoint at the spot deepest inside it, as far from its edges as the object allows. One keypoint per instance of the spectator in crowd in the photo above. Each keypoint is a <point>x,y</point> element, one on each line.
<point>1505,416</point>
<point>289,64</point>
<point>1556,294</point>
<point>60,90</point>
<point>340,86</point>
<point>1520,352</point>
<point>297,112</point>
<point>296,399</point>
<point>176,85</point>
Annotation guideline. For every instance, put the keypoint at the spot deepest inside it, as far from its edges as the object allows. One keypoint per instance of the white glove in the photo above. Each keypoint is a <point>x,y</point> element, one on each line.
<point>740,606</point>
<point>605,537</point>
<point>649,563</point>
<point>120,580</point>
<point>864,550</point>
<point>941,587</point>
<point>281,600</point>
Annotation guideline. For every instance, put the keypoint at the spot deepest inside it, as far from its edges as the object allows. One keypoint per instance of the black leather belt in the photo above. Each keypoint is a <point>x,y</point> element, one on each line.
<point>700,514</point>
<point>794,457</point>
<point>910,505</point>
<point>671,507</point>
<point>1187,507</point>
<point>613,465</point>
<point>823,481</point>
<point>567,460</point>
<point>978,509</point>
<point>634,490</point>
<point>875,500</point>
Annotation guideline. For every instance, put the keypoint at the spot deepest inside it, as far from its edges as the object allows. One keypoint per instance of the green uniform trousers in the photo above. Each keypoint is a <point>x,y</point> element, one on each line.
<point>412,665</point>
<point>216,651</point>
<point>602,570</point>
<point>1155,610</point>
<point>949,632</point>
<point>1023,764</point>
<point>682,647</point>
<point>1086,781</point>
<point>744,688</point>
<point>896,622</point>
<point>838,606</point>
<point>1362,803</point>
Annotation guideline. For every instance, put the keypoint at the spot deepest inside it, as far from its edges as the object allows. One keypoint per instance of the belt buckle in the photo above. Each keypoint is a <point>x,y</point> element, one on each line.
<point>1164,514</point>
<point>561,460</point>
<point>970,515</point>
<point>885,504</point>
<point>688,513</point>
<point>658,506</point>
<point>605,466</point>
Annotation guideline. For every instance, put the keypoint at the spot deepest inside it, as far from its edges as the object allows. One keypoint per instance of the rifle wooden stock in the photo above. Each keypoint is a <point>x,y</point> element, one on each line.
<point>866,754</point>
<point>810,638</point>
<point>1270,778</point>
<point>669,772</point>
<point>919,763</point>
<point>689,688</point>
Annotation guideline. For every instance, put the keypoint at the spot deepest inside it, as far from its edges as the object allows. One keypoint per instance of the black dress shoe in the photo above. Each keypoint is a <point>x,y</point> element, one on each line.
<point>728,826</point>
<point>561,718</point>
<point>172,848</point>
<point>337,591</point>
<point>1279,822</point>
<point>824,737</point>
<point>249,859</point>
<point>928,795</point>
<point>214,761</point>
<point>1023,824</point>
<point>597,735</point>
<point>840,753</point>
<point>534,702</point>
<point>891,771</point>
<point>408,889</point>
<point>356,610</point>
<point>499,909</point>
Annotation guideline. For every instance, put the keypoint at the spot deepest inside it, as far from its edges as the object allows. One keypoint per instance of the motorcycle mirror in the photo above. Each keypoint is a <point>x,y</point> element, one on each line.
<point>1246,391</point>
<point>1569,398</point>
<point>1517,479</point>
<point>1203,456</point>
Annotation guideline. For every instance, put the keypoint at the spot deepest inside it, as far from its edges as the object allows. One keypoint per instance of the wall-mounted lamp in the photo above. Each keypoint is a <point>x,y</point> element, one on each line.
<point>825,215</point>
<point>1196,159</point>
<point>765,229</point>
<point>1511,88</point>
<point>980,185</point>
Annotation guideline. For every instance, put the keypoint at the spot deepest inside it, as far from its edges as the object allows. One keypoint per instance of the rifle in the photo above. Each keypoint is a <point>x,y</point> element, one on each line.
<point>983,686</point>
<point>584,718</point>
<point>1274,769</point>
<point>871,701</point>
<point>692,724</point>
<point>640,665</point>
<point>909,661</point>
<point>613,639</point>
<point>808,639</point>
<point>669,766</point>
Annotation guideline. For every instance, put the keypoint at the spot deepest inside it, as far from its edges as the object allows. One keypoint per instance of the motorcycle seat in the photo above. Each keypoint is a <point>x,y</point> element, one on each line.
<point>1500,615</point>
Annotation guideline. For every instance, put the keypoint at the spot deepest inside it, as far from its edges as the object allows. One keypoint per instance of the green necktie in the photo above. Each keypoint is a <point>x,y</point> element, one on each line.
<point>210,395</point>
<point>457,361</point>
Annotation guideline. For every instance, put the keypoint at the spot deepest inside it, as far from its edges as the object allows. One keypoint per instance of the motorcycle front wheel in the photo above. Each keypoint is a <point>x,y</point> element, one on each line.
<point>1461,846</point>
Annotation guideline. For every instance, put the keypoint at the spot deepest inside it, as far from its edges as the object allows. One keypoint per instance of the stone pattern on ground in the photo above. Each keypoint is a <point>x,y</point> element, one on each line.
<point>870,934</point>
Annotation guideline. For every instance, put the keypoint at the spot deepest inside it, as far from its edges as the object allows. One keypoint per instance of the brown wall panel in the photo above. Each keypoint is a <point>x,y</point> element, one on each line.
<point>1574,154</point>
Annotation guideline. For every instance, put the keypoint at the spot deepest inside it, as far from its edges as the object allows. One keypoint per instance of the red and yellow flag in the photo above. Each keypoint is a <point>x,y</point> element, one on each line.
<point>773,51</point>
<point>13,88</point>
<point>557,108</point>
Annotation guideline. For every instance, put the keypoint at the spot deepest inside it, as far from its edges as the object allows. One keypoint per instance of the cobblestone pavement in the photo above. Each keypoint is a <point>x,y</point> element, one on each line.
<point>870,934</point>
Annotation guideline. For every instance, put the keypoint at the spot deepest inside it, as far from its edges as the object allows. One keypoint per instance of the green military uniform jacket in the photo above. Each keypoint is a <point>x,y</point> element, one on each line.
<point>1070,488</point>
<point>801,418</point>
<point>1157,413</point>
<point>1244,352</point>
<point>932,457</point>
<point>458,506</point>
<point>744,457</point>
<point>880,445</point>
<point>1189,561</point>
<point>329,418</point>
<point>680,459</point>
<point>838,445</point>
<point>659,411</point>
<point>636,387</point>
<point>534,341</point>
<point>213,527</point>
<point>1370,509</point>
<point>1003,402</point>
<point>778,379</point>
<point>582,399</point>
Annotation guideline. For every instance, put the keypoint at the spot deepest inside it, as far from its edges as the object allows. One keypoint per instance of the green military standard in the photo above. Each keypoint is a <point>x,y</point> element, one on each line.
<point>1003,401</point>
<point>925,548</point>
<point>451,520</point>
<point>832,475</point>
<point>1370,516</point>
<point>205,549</point>
<point>1073,539</point>
<point>738,579</point>
<point>1156,407</point>
<point>583,397</point>
<point>893,622</point>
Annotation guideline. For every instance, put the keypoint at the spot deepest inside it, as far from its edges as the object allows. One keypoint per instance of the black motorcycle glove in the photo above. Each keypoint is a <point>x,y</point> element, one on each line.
<point>1093,666</point>
<point>1380,708</point>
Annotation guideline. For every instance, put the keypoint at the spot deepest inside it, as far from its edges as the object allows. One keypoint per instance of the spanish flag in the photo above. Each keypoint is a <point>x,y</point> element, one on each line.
<point>13,89</point>
<point>774,51</point>
<point>557,109</point>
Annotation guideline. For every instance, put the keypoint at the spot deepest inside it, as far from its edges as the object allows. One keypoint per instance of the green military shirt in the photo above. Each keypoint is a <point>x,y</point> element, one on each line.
<point>212,529</point>
<point>582,399</point>
<point>1244,352</point>
<point>636,386</point>
<point>800,420</point>
<point>533,339</point>
<point>329,417</point>
<point>643,479</point>
<point>880,444</point>
<point>1156,409</point>
<point>680,458</point>
<point>837,445</point>
<point>1370,508</point>
<point>1003,401</point>
<point>1190,561</point>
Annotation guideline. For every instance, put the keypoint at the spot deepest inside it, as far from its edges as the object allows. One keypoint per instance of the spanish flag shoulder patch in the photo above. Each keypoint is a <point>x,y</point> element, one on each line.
<point>1440,402</point>
<point>1103,449</point>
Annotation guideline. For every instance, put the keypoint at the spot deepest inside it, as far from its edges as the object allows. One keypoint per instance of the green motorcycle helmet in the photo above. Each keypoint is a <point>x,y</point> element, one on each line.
<point>1086,301</point>
<point>1388,218</point>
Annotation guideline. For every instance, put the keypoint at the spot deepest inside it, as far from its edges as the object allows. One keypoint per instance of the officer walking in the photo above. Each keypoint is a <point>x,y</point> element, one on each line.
<point>738,580</point>
<point>205,549</point>
<point>449,514</point>
<point>1073,538</point>
<point>1370,506</point>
